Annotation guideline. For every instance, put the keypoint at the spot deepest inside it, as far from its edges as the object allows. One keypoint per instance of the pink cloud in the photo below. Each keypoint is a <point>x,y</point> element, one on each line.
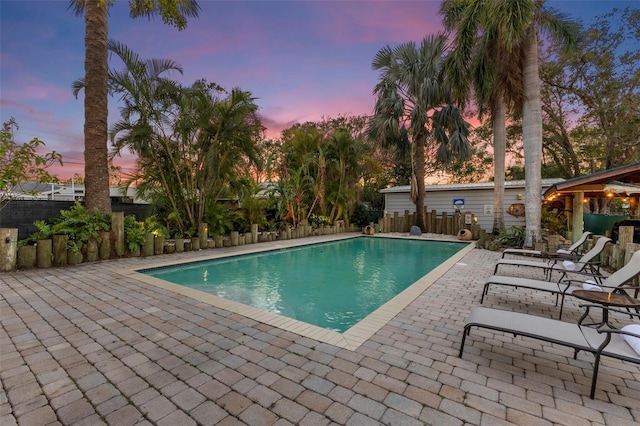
<point>383,21</point>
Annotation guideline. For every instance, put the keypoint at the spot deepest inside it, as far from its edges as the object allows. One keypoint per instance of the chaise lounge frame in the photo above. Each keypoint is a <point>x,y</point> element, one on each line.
<point>574,250</point>
<point>599,342</point>
<point>612,283</point>
<point>586,262</point>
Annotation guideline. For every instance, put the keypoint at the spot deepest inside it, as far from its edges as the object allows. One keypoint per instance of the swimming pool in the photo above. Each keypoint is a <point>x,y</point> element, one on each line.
<point>333,285</point>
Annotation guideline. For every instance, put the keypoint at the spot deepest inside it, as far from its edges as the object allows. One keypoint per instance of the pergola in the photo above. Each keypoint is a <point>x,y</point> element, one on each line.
<point>623,181</point>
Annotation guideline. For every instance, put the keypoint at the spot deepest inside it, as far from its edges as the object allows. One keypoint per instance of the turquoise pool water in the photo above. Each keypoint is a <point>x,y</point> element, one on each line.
<point>332,285</point>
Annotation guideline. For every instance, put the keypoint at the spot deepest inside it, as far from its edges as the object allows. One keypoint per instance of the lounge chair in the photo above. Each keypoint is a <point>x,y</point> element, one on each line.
<point>600,342</point>
<point>612,283</point>
<point>584,264</point>
<point>571,251</point>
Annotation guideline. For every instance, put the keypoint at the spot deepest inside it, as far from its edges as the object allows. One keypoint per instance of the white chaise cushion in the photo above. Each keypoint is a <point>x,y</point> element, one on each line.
<point>591,285</point>
<point>633,341</point>
<point>569,265</point>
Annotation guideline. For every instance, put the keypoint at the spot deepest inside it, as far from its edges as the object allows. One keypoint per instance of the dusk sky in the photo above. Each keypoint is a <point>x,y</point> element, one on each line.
<point>302,59</point>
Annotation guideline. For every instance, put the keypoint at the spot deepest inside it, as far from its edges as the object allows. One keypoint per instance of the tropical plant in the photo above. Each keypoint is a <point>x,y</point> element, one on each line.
<point>22,163</point>
<point>96,81</point>
<point>194,144</point>
<point>220,219</point>
<point>493,75</point>
<point>78,224</point>
<point>414,103</point>
<point>599,83</point>
<point>153,225</point>
<point>510,30</point>
<point>134,232</point>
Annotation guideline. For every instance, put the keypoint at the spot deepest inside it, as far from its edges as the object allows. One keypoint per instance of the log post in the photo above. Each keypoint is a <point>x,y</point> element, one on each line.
<point>8,248</point>
<point>59,250</point>
<point>44,253</point>
<point>203,234</point>
<point>27,257</point>
<point>148,244</point>
<point>105,245</point>
<point>158,244</point>
<point>117,227</point>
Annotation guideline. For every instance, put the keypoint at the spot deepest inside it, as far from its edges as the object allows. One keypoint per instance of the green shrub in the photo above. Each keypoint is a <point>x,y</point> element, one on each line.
<point>134,232</point>
<point>363,215</point>
<point>76,223</point>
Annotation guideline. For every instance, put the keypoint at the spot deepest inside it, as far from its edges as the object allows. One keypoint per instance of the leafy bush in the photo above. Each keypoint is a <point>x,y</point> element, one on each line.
<point>317,221</point>
<point>76,223</point>
<point>153,224</point>
<point>513,238</point>
<point>134,232</point>
<point>555,223</point>
<point>362,215</point>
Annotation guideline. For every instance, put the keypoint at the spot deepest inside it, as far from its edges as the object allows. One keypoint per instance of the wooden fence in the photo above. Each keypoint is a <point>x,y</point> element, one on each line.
<point>443,223</point>
<point>111,244</point>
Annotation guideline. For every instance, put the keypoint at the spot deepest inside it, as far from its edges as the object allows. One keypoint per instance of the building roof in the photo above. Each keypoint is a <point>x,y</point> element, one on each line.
<point>468,186</point>
<point>620,180</point>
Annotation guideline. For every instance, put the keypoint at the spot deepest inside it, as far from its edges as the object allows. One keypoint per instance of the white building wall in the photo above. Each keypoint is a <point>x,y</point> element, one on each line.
<point>478,199</point>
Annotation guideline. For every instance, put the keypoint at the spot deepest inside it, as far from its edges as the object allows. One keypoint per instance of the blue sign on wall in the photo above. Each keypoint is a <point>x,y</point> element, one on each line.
<point>458,203</point>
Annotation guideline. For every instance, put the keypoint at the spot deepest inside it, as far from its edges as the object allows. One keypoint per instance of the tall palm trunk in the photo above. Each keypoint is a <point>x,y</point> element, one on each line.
<point>419,143</point>
<point>532,136</point>
<point>95,108</point>
<point>499,149</point>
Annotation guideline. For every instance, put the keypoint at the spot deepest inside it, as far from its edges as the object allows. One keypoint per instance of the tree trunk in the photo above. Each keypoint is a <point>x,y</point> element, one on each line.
<point>499,150</point>
<point>96,170</point>
<point>419,171</point>
<point>532,138</point>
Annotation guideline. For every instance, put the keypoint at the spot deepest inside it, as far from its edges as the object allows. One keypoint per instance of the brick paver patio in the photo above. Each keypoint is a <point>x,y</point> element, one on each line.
<point>86,346</point>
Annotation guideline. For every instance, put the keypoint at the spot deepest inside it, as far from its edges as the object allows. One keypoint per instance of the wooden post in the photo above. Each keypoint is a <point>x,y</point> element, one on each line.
<point>457,220</point>
<point>578,215</point>
<point>74,257</point>
<point>195,244</point>
<point>254,233</point>
<point>218,241</point>
<point>158,245</point>
<point>553,241</point>
<point>444,223</point>
<point>105,245</point>
<point>44,253</point>
<point>434,219</point>
<point>149,242</point>
<point>625,235</point>
<point>117,226</point>
<point>27,256</point>
<point>234,238</point>
<point>92,250</point>
<point>60,250</point>
<point>203,231</point>
<point>8,249</point>
<point>179,245</point>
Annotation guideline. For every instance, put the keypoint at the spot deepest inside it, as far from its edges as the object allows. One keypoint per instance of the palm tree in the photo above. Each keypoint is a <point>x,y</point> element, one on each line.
<point>96,75</point>
<point>486,66</point>
<point>512,27</point>
<point>414,103</point>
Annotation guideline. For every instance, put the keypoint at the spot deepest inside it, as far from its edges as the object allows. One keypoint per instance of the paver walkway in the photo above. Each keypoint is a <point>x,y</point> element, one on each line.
<point>85,346</point>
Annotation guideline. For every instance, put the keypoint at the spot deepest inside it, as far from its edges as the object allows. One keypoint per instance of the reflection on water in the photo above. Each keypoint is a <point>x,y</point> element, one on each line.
<point>332,285</point>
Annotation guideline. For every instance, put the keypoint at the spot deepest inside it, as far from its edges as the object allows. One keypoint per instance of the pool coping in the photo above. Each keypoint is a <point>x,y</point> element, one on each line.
<point>350,339</point>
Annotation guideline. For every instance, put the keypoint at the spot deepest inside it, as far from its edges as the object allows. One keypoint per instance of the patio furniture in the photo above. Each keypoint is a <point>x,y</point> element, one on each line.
<point>585,263</point>
<point>612,283</point>
<point>600,342</point>
<point>569,252</point>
